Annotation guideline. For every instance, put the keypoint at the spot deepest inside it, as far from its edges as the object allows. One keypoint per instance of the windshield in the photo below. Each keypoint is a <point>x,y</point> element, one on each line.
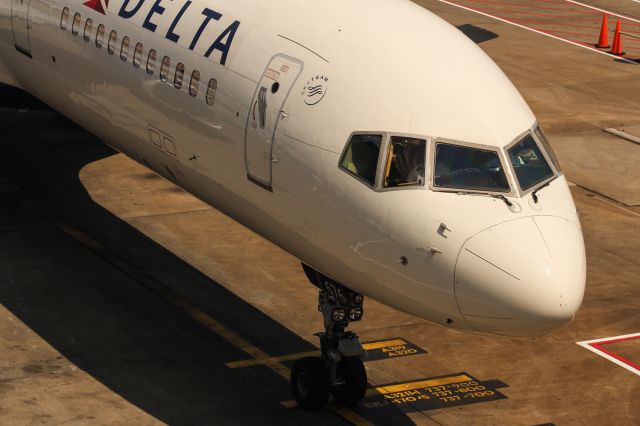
<point>405,162</point>
<point>529,163</point>
<point>546,146</point>
<point>466,168</point>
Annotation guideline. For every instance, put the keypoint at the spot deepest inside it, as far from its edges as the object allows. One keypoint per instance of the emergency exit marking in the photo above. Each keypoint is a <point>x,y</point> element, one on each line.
<point>435,392</point>
<point>390,348</point>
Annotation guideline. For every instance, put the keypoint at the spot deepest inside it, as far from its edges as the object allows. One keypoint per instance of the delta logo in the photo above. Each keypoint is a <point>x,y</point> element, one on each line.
<point>97,5</point>
<point>192,26</point>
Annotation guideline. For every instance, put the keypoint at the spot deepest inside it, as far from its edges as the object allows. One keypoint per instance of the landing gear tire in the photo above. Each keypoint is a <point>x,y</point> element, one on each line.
<point>354,375</point>
<point>310,383</point>
<point>339,370</point>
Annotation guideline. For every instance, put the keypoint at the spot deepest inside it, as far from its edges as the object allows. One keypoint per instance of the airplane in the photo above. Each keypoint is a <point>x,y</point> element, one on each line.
<point>370,139</point>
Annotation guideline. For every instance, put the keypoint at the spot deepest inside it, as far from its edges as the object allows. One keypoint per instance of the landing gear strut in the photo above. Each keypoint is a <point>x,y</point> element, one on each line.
<point>339,370</point>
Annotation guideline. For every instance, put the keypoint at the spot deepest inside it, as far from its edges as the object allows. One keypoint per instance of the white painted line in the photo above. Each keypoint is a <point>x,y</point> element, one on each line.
<point>506,21</point>
<point>615,205</point>
<point>594,346</point>
<point>623,135</point>
<point>608,12</point>
<point>606,339</point>
<point>626,33</point>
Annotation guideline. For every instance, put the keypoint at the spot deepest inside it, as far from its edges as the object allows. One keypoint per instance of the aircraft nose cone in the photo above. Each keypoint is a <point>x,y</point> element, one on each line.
<point>523,277</point>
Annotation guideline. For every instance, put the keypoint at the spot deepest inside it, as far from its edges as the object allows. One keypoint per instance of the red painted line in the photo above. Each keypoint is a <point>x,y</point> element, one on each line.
<point>587,6</point>
<point>614,355</point>
<point>571,33</point>
<point>594,12</point>
<point>497,12</point>
<point>514,22</point>
<point>556,2</point>
<point>622,339</point>
<point>571,8</point>
<point>543,21</point>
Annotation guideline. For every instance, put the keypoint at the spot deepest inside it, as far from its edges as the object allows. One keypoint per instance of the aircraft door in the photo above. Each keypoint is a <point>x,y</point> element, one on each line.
<point>20,25</point>
<point>264,115</point>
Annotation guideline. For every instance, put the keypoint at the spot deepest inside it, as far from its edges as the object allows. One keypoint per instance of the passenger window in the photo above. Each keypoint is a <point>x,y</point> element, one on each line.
<point>75,26</point>
<point>151,62</point>
<point>137,55</point>
<point>164,68</point>
<point>113,39</point>
<point>361,157</point>
<point>211,91</point>
<point>88,27</point>
<point>100,36</point>
<point>405,162</point>
<point>194,84</point>
<point>124,48</point>
<point>64,19</point>
<point>178,77</point>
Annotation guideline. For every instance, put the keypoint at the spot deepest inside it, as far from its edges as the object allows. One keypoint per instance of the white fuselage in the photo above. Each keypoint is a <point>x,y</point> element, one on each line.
<point>270,158</point>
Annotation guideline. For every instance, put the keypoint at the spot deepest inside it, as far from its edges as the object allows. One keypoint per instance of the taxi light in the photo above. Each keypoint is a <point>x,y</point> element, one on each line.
<point>355,314</point>
<point>338,315</point>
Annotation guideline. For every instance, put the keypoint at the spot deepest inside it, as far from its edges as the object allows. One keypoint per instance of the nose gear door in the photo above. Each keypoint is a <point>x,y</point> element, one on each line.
<point>20,25</point>
<point>264,115</point>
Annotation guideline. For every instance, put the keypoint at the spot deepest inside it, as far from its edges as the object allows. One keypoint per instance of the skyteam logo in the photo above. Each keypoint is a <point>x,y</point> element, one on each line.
<point>315,89</point>
<point>97,5</point>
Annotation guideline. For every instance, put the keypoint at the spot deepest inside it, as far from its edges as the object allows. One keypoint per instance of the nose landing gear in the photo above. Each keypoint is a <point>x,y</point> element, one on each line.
<point>339,370</point>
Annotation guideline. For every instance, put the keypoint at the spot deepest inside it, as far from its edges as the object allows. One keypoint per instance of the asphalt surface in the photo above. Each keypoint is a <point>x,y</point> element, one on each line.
<point>125,300</point>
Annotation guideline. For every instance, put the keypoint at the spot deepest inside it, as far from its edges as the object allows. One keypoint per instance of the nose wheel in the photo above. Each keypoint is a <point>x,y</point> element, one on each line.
<point>310,384</point>
<point>339,371</point>
<point>353,384</point>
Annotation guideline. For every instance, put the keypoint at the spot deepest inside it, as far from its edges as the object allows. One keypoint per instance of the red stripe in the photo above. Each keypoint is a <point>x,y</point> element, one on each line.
<point>524,12</point>
<point>622,339</point>
<point>614,355</point>
<point>517,22</point>
<point>571,8</point>
<point>520,4</point>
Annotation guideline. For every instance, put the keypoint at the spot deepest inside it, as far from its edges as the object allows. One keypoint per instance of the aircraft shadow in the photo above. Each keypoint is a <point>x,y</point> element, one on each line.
<point>476,34</point>
<point>100,318</point>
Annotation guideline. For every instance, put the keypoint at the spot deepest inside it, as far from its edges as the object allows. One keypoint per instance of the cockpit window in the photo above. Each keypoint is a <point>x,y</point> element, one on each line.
<point>466,168</point>
<point>405,162</point>
<point>542,138</point>
<point>361,157</point>
<point>529,163</point>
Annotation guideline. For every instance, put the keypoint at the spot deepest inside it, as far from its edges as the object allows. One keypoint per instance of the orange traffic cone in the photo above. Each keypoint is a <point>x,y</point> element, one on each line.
<point>616,47</point>
<point>603,41</point>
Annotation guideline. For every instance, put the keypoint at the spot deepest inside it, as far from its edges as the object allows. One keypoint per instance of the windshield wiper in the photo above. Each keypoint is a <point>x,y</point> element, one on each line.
<point>498,196</point>
<point>503,198</point>
<point>534,194</point>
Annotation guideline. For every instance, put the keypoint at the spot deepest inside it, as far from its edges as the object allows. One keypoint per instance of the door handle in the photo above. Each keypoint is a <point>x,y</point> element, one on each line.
<point>262,106</point>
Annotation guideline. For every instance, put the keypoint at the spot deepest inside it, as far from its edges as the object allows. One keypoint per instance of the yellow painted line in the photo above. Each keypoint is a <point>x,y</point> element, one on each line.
<point>344,412</point>
<point>383,344</point>
<point>289,404</point>
<point>207,321</point>
<point>253,362</point>
<point>79,236</point>
<point>423,384</point>
<point>350,415</point>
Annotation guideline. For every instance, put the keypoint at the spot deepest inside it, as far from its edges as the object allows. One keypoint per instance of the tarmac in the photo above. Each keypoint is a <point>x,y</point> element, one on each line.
<point>124,300</point>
